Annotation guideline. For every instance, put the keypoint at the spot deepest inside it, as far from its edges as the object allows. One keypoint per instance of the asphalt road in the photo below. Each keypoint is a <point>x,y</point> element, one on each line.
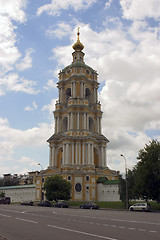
<point>37,223</point>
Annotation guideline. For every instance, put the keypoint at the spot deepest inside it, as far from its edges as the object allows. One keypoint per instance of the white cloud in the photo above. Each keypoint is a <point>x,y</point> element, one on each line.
<point>12,82</point>
<point>13,9</point>
<point>33,107</point>
<point>108,4</point>
<point>63,29</point>
<point>55,7</point>
<point>50,84</point>
<point>50,107</point>
<point>137,10</point>
<point>12,139</point>
<point>26,62</point>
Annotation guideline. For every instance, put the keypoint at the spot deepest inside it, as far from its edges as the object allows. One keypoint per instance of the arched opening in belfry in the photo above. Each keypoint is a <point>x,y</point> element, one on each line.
<point>59,157</point>
<point>88,95</point>
<point>96,159</point>
<point>91,125</point>
<point>64,124</point>
<point>67,94</point>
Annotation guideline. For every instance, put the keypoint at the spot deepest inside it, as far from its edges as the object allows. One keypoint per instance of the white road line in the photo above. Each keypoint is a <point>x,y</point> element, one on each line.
<point>26,220</point>
<point>152,231</point>
<point>131,228</point>
<point>111,219</point>
<point>5,215</point>
<point>84,233</point>
<point>142,230</point>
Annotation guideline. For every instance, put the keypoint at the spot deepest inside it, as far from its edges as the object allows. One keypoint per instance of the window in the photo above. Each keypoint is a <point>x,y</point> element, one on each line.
<point>88,72</point>
<point>87,178</point>
<point>78,187</point>
<point>65,123</point>
<point>91,124</point>
<point>69,178</point>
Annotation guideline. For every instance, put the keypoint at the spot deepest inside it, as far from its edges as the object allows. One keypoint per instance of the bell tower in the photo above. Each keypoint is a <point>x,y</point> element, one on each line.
<point>78,142</point>
<point>78,147</point>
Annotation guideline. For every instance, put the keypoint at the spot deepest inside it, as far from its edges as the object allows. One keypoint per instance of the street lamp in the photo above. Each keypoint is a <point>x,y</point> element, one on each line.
<point>40,165</point>
<point>41,182</point>
<point>126,181</point>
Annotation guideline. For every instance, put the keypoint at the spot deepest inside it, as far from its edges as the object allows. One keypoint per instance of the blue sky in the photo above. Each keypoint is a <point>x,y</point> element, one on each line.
<point>122,42</point>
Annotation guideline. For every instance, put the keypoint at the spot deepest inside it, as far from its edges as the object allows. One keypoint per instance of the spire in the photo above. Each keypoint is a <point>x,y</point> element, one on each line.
<point>78,46</point>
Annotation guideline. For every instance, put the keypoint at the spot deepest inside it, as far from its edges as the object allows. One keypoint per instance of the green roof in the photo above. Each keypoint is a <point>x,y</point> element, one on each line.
<point>105,181</point>
<point>78,64</point>
<point>18,187</point>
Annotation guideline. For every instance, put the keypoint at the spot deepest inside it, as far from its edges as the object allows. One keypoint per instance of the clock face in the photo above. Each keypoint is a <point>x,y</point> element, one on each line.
<point>78,187</point>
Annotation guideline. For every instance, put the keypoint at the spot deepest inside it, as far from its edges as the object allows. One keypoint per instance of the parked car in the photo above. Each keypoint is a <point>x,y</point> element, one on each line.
<point>140,207</point>
<point>89,206</point>
<point>44,204</point>
<point>27,203</point>
<point>61,205</point>
<point>5,200</point>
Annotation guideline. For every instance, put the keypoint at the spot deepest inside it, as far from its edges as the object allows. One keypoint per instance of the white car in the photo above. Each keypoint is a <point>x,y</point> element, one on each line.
<point>140,207</point>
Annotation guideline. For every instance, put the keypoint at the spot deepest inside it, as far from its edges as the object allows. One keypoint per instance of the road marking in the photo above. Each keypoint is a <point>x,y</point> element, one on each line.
<point>5,215</point>
<point>84,233</point>
<point>26,220</point>
<point>131,228</point>
<point>152,231</point>
<point>142,230</point>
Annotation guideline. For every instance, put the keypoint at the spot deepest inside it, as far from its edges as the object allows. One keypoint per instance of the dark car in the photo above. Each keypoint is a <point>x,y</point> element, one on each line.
<point>89,206</point>
<point>61,205</point>
<point>44,204</point>
<point>27,203</point>
<point>5,200</point>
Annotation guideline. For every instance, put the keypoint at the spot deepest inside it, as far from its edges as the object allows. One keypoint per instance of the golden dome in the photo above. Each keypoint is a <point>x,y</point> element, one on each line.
<point>78,46</point>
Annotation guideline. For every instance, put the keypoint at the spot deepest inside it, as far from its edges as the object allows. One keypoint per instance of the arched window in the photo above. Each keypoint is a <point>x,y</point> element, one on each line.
<point>91,125</point>
<point>88,95</point>
<point>64,124</point>
<point>68,94</point>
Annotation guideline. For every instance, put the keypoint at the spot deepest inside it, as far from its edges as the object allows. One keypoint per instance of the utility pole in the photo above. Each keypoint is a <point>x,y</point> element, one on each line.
<point>126,181</point>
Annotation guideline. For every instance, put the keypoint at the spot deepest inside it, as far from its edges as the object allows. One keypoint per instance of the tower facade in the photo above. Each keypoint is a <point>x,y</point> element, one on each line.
<point>78,147</point>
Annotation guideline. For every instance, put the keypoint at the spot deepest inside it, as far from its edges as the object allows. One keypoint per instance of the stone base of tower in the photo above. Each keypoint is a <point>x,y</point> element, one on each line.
<point>87,183</point>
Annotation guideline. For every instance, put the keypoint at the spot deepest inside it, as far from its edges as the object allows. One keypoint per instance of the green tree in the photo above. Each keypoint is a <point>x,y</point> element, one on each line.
<point>147,172</point>
<point>2,194</point>
<point>57,188</point>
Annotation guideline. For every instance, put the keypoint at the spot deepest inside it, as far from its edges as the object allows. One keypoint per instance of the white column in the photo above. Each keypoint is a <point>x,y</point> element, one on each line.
<point>79,153</point>
<point>61,95</point>
<point>102,156</point>
<point>50,156</point>
<point>58,125</point>
<point>67,153</point>
<point>53,158</point>
<point>84,121</point>
<point>73,153</point>
<point>81,94</point>
<point>77,121</point>
<point>89,154</point>
<point>87,122</point>
<point>83,153</point>
<point>76,153</point>
<point>64,153</point>
<point>105,165</point>
<point>55,125</point>
<point>92,156</point>
<point>97,124</point>
<point>100,125</point>
<point>74,89</point>
<point>71,127</point>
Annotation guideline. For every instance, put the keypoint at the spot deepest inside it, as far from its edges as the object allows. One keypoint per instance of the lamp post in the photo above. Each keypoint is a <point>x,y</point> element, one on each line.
<point>41,182</point>
<point>126,181</point>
